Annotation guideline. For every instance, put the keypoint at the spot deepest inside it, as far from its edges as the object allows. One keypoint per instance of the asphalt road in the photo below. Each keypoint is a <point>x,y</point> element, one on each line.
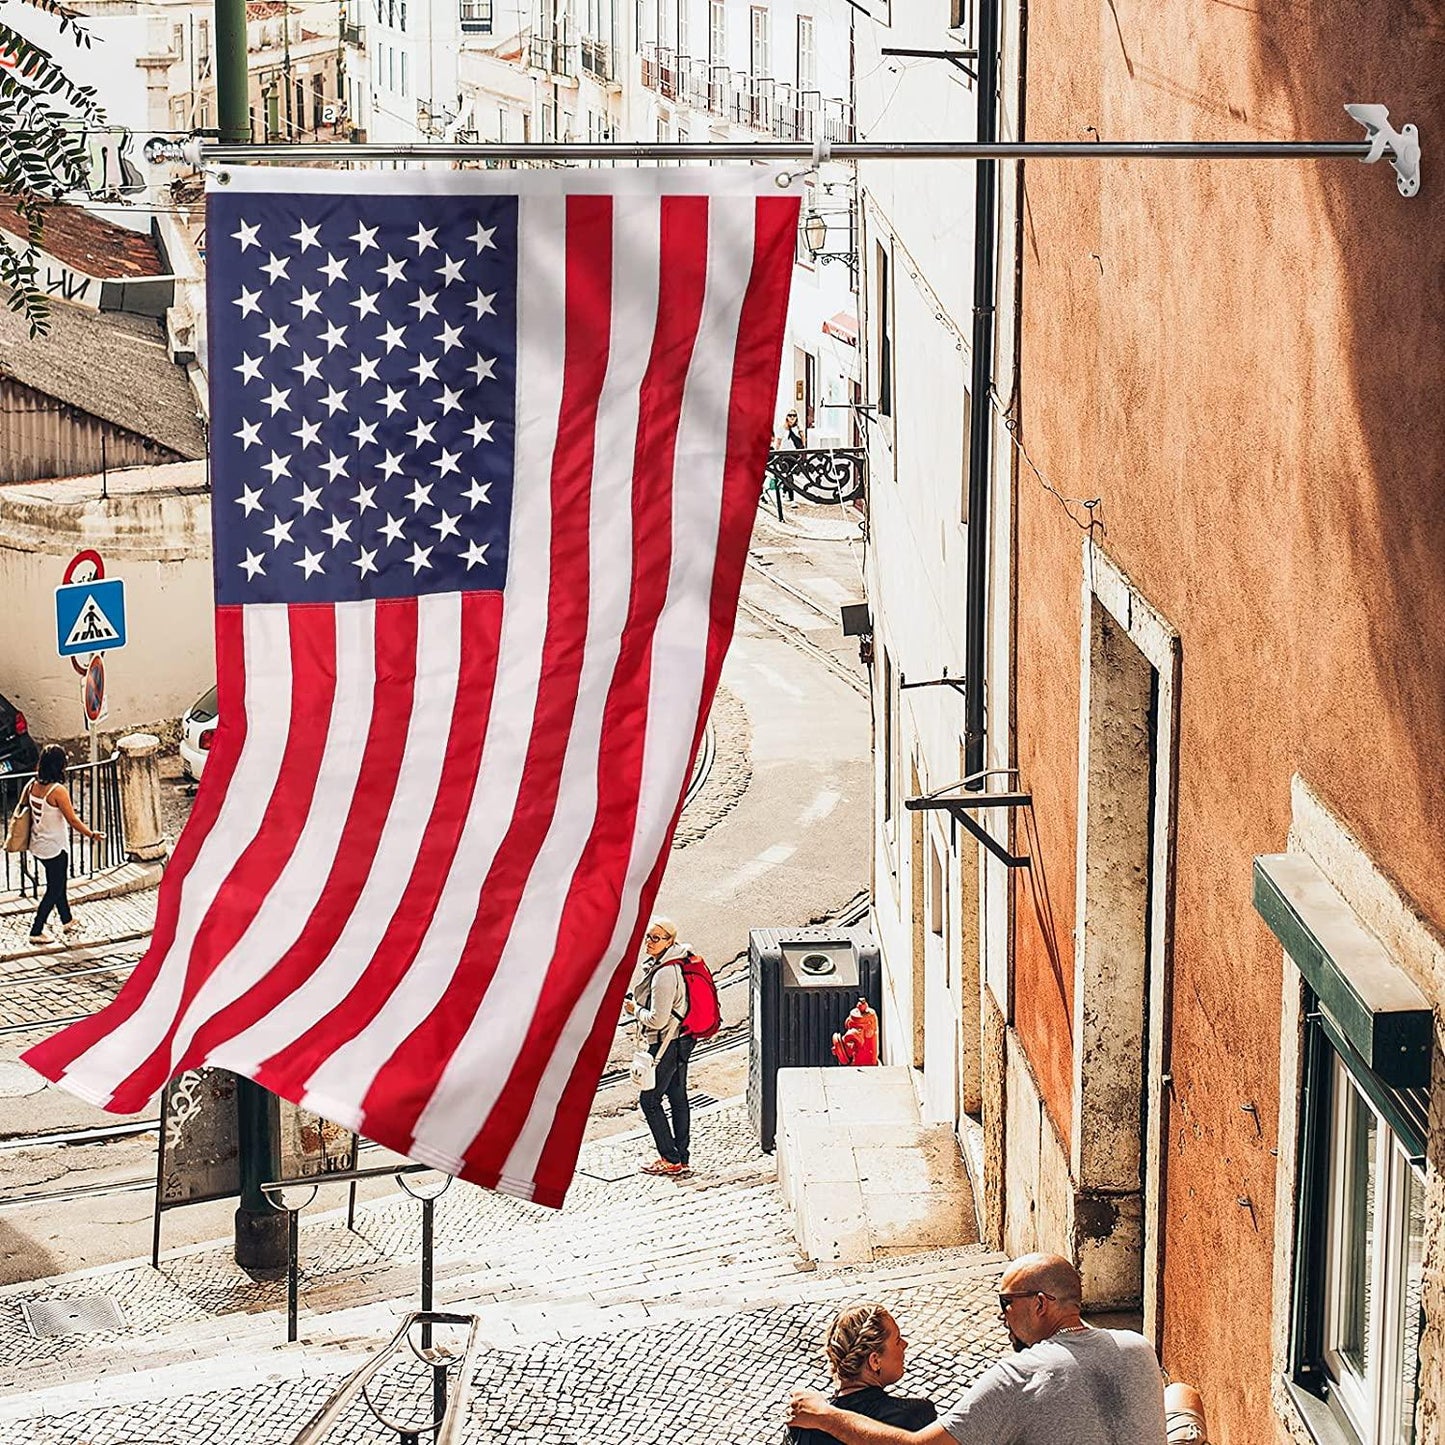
<point>776,835</point>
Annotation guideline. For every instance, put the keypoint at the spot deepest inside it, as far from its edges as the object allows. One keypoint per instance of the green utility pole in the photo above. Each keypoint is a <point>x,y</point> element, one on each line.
<point>232,102</point>
<point>260,1226</point>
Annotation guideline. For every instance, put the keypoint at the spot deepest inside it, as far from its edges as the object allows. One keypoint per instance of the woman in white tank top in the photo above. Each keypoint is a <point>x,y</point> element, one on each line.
<point>52,816</point>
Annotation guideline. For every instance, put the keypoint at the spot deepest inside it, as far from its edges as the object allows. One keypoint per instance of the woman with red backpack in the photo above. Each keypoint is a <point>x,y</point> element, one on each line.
<point>660,1003</point>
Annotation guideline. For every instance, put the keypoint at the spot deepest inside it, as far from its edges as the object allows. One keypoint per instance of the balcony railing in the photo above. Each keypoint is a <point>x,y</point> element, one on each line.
<point>659,70</point>
<point>353,35</point>
<point>596,59</point>
<point>556,57</point>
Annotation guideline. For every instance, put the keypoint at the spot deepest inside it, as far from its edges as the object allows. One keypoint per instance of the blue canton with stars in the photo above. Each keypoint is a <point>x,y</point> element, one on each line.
<point>363,359</point>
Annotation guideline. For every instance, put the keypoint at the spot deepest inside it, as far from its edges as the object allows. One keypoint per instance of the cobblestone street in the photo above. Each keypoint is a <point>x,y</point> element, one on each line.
<point>646,1310</point>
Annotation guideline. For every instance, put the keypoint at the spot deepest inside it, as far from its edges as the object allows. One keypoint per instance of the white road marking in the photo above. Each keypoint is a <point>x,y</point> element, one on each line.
<point>750,872</point>
<point>820,807</point>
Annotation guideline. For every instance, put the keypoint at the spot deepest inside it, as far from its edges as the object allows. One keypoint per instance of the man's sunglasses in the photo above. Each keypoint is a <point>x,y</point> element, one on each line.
<point>1005,1300</point>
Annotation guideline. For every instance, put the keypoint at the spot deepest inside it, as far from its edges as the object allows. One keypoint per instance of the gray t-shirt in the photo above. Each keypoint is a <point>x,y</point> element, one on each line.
<point>1086,1387</point>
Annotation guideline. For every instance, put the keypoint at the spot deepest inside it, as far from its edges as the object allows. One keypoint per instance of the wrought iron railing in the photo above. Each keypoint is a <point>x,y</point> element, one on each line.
<point>828,476</point>
<point>556,57</point>
<point>596,58</point>
<point>95,792</point>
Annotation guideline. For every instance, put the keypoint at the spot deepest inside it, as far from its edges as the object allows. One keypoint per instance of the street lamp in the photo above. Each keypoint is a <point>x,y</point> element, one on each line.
<point>815,238</point>
<point>815,233</point>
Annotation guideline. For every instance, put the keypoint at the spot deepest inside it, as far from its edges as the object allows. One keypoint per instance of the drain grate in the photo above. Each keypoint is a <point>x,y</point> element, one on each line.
<point>72,1316</point>
<point>700,1100</point>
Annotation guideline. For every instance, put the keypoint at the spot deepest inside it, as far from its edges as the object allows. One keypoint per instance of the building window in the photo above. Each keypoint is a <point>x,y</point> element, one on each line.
<point>203,39</point>
<point>404,59</point>
<point>1358,1310</point>
<point>476,16</point>
<point>760,57</point>
<point>717,33</point>
<point>684,33</point>
<point>883,329</point>
<point>807,55</point>
<point>960,17</point>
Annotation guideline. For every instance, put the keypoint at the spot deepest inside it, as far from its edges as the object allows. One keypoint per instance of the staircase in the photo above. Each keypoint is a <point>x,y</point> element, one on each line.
<point>646,1310</point>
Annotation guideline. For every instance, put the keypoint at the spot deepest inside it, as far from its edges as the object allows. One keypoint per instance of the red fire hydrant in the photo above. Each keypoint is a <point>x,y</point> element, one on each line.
<point>858,1043</point>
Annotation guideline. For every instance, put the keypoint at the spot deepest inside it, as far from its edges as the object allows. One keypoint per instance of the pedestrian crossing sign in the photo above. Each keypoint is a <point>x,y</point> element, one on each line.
<point>90,617</point>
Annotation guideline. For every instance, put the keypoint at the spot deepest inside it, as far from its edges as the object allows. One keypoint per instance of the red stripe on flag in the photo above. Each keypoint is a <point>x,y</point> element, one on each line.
<point>394,653</point>
<point>589,915</point>
<point>406,1082</point>
<point>754,388</point>
<point>52,1057</point>
<point>289,1069</point>
<point>313,687</point>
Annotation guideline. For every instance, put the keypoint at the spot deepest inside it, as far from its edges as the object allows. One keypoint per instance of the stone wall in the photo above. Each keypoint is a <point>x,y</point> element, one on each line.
<point>153,530</point>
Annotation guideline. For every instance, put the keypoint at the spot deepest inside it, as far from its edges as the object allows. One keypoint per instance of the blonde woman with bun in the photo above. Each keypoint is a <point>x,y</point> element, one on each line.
<point>864,1349</point>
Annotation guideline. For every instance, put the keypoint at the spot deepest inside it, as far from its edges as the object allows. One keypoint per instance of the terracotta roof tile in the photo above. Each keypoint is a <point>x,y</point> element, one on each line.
<point>96,247</point>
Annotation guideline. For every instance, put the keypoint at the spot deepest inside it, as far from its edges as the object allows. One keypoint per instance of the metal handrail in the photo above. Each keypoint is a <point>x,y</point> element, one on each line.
<point>275,1192</point>
<point>95,791</point>
<point>448,1426</point>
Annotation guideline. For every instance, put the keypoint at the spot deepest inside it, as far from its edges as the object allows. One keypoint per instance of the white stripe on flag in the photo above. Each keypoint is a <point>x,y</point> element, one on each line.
<point>289,902</point>
<point>477,1071</point>
<point>419,776</point>
<point>678,660</point>
<point>349,1073</point>
<point>266,642</point>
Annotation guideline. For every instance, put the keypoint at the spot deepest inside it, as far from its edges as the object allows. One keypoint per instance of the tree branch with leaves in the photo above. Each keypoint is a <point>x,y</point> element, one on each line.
<point>43,154</point>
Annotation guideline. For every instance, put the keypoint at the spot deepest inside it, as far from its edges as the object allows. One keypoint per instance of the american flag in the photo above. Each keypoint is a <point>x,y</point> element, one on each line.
<point>486,450</point>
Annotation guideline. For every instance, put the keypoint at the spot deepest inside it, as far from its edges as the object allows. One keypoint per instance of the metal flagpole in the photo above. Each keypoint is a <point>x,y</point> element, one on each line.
<point>542,151</point>
<point>1402,146</point>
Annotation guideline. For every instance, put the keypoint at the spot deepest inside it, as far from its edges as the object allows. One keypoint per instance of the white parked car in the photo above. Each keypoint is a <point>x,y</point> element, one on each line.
<point>198,728</point>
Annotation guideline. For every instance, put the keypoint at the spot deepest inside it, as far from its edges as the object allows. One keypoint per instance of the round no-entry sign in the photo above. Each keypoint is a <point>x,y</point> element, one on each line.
<point>95,690</point>
<point>86,566</point>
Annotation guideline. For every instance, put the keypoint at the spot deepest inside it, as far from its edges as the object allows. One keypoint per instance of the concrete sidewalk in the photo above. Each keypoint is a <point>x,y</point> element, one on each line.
<point>646,1310</point>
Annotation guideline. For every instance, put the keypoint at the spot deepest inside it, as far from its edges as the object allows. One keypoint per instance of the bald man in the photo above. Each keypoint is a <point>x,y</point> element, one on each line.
<point>1066,1384</point>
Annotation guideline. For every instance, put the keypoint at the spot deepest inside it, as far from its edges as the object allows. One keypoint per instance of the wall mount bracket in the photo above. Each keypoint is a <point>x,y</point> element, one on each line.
<point>956,58</point>
<point>960,809</point>
<point>1403,144</point>
<point>944,681</point>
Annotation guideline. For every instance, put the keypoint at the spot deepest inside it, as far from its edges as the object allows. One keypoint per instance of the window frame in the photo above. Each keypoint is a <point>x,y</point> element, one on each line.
<point>807,46</point>
<point>1360,1409</point>
<point>760,42</point>
<point>717,32</point>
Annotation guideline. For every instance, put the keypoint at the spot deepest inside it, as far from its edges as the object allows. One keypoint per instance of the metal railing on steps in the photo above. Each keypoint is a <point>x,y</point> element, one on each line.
<point>95,792</point>
<point>449,1400</point>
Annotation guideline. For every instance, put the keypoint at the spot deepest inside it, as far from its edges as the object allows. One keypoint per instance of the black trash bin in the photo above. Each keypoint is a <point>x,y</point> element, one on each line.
<point>804,983</point>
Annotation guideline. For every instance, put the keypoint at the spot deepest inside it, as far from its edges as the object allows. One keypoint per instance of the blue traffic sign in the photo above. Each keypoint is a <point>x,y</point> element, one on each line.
<point>90,617</point>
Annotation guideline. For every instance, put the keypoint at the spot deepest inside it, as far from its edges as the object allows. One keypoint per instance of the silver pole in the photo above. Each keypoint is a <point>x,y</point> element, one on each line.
<point>545,153</point>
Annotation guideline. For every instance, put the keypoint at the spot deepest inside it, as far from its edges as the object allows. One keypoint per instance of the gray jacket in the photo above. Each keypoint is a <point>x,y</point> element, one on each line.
<point>661,997</point>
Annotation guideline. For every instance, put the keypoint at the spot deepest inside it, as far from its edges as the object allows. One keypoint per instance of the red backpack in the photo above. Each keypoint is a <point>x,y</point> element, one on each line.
<point>704,1011</point>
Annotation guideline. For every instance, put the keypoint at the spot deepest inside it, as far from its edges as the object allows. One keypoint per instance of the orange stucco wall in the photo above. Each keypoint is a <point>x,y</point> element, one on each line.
<point>1243,360</point>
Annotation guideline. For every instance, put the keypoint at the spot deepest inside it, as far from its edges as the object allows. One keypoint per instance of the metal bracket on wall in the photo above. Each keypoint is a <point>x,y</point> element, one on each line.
<point>944,681</point>
<point>1404,144</point>
<point>955,58</point>
<point>959,810</point>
